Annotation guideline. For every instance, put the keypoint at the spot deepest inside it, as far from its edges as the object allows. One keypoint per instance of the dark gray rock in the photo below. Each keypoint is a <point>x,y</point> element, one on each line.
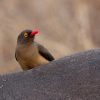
<point>75,77</point>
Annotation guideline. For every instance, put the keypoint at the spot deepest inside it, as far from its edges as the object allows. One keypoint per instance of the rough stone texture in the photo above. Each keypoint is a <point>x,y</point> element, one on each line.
<point>75,77</point>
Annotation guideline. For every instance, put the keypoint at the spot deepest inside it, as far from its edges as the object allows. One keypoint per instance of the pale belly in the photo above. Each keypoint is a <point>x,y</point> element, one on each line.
<point>29,62</point>
<point>28,59</point>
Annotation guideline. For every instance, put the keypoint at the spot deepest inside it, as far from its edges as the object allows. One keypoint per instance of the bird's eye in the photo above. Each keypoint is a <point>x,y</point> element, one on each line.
<point>25,34</point>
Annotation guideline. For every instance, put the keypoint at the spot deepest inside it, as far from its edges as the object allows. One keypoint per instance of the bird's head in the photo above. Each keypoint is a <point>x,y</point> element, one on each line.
<point>26,36</point>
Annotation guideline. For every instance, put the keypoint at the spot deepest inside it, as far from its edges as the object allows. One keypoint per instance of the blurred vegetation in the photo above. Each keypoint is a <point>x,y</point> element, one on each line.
<point>66,27</point>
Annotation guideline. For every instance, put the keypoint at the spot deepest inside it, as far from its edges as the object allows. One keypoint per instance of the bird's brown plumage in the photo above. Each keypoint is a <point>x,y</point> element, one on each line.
<point>30,54</point>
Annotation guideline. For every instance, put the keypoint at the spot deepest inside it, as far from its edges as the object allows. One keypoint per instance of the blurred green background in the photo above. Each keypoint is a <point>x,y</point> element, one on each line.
<point>66,27</point>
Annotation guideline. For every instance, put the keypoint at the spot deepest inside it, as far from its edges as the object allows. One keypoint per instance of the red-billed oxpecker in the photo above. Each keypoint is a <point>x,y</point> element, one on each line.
<point>29,53</point>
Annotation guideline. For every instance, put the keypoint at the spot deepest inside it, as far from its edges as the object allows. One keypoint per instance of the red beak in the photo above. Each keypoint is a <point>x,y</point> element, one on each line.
<point>34,33</point>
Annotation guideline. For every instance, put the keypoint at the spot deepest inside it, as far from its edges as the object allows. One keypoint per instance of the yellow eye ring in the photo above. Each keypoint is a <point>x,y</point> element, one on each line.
<point>25,34</point>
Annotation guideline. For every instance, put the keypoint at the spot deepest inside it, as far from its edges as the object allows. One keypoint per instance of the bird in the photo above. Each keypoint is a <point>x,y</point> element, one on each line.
<point>30,54</point>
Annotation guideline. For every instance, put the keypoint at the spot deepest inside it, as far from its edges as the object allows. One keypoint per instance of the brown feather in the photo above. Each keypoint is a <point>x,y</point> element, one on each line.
<point>29,57</point>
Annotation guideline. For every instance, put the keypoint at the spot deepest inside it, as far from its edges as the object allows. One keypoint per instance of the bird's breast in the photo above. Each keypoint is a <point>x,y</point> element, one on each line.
<point>30,57</point>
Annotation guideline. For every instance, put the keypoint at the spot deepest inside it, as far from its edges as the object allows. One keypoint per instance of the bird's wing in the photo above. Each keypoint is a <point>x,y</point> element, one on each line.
<point>16,56</point>
<point>45,53</point>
